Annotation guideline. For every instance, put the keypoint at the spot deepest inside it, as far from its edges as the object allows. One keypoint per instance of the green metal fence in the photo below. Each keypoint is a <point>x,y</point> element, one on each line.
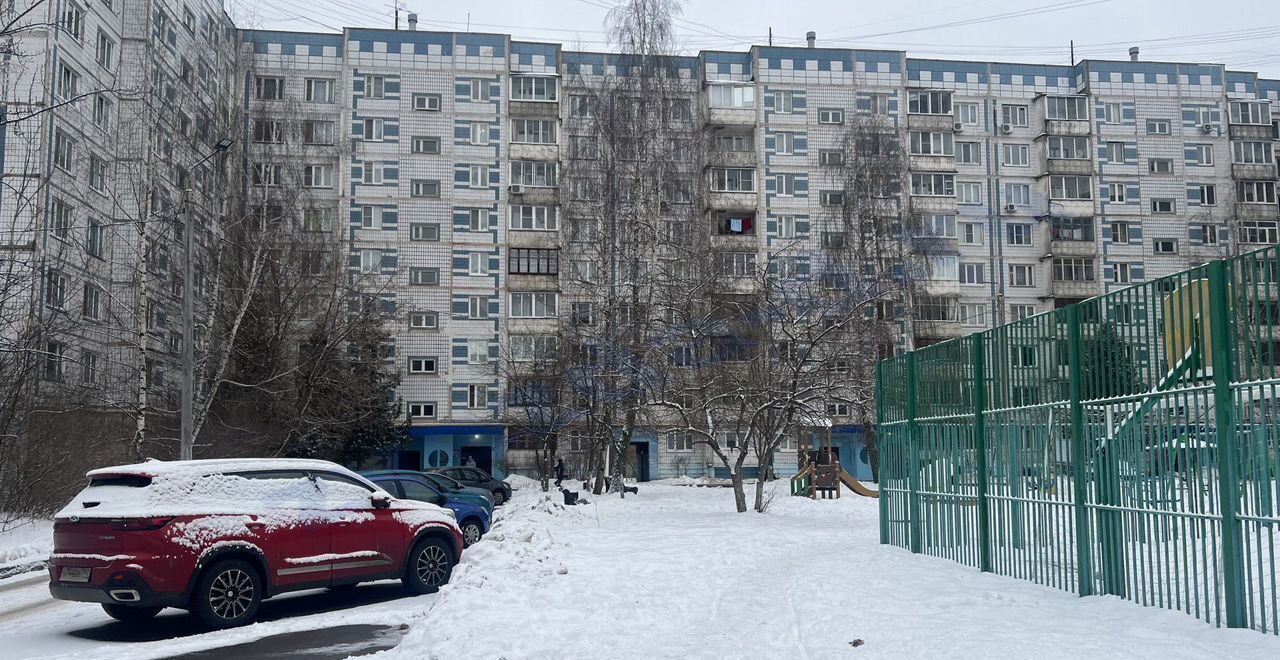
<point>1128,444</point>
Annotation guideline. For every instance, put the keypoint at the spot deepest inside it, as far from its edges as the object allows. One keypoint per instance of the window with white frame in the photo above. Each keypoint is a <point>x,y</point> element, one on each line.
<point>1073,269</point>
<point>424,320</point>
<point>927,102</point>
<point>530,348</point>
<point>830,116</point>
<point>1164,246</point>
<point>1250,112</point>
<point>785,185</point>
<point>1018,194</point>
<point>1013,115</point>
<point>1122,273</point>
<point>937,225</point>
<point>106,52</point>
<point>1120,232</point>
<point>1016,155</point>
<point>1116,192</point>
<point>679,440</point>
<point>929,184</point>
<point>1207,193</point>
<point>268,88</point>
<point>421,276</point>
<point>64,149</point>
<point>1070,187</point>
<point>1259,232</point>
<point>533,173</point>
<point>968,153</point>
<point>942,267</point>
<point>533,131</point>
<point>478,307</point>
<point>422,231</point>
<point>733,179</point>
<point>784,143</point>
<point>371,173</point>
<point>477,351</point>
<point>318,90</point>
<point>97,173</point>
<point>424,188</point>
<point>533,88</point>
<point>737,264</point>
<point>1112,113</point>
<point>370,261</point>
<point>373,129</point>
<point>784,102</point>
<point>1113,153</point>
<point>477,263</point>
<point>370,217</point>
<point>1162,205</point>
<point>317,176</point>
<point>967,113</point>
<point>1022,275</point>
<point>425,145</point>
<point>968,192</point>
<point>1160,165</point>
<point>973,315</point>
<point>1252,153</point>
<point>427,102</point>
<point>973,273</point>
<point>268,174</point>
<point>534,305</point>
<point>375,87</point>
<point>315,131</point>
<point>1203,154</point>
<point>1019,233</point>
<point>724,95</point>
<point>1256,192</point>
<point>478,176</point>
<point>786,226</point>
<point>1158,127</point>
<point>477,396</point>
<point>479,134</point>
<point>1066,107</point>
<point>1068,148</point>
<point>422,365</point>
<point>102,112</point>
<point>971,233</point>
<point>926,143</point>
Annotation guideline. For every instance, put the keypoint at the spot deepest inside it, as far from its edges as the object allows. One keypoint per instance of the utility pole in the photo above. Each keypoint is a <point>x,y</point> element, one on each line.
<point>188,332</point>
<point>1073,52</point>
<point>770,36</point>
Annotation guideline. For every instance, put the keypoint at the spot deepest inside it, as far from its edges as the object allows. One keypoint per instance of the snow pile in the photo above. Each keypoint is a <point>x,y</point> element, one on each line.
<point>675,573</point>
<point>521,482</point>
<point>25,546</point>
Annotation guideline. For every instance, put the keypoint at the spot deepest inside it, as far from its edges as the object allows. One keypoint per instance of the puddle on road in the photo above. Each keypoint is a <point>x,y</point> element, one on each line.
<point>333,643</point>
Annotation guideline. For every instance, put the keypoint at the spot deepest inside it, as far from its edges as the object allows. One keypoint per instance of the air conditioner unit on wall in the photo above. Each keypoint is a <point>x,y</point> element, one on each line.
<point>515,189</point>
<point>958,127</point>
<point>1010,208</point>
<point>1206,129</point>
<point>1006,128</point>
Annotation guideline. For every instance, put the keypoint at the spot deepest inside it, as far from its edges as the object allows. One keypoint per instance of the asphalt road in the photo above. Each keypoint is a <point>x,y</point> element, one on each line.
<point>324,644</point>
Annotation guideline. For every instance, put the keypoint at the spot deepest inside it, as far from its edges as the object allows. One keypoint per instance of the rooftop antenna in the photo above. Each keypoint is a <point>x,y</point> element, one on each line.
<point>1073,52</point>
<point>770,36</point>
<point>468,21</point>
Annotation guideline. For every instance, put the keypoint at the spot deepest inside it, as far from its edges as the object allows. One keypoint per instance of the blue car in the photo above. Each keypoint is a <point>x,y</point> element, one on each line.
<point>472,518</point>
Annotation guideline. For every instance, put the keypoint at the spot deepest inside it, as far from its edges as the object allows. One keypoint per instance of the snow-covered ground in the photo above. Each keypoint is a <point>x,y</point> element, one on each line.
<point>674,573</point>
<point>25,546</point>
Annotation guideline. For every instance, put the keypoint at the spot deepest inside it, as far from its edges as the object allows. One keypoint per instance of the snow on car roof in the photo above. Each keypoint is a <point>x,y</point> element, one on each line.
<point>155,468</point>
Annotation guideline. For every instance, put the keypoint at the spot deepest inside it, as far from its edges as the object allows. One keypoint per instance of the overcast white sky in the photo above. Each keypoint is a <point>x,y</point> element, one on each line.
<point>1243,34</point>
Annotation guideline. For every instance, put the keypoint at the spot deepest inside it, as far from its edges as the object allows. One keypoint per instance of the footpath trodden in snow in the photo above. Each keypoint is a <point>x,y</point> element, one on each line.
<point>674,573</point>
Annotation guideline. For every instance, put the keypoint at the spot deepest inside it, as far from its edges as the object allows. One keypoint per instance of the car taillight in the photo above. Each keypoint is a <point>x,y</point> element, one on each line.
<point>139,524</point>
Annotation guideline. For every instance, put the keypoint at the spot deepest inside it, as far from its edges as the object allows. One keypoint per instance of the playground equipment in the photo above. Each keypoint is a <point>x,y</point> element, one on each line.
<point>821,475</point>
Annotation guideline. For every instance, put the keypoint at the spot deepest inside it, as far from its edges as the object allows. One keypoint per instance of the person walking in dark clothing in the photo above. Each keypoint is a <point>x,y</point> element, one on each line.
<point>561,472</point>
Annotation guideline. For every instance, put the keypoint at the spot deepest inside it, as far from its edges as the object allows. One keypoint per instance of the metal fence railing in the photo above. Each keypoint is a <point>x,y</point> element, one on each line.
<point>1128,444</point>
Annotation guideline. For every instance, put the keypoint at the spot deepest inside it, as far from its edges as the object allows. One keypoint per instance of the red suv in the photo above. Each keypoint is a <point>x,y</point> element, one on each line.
<point>217,537</point>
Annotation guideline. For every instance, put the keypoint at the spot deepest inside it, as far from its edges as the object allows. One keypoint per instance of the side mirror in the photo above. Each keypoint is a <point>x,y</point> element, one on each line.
<point>380,500</point>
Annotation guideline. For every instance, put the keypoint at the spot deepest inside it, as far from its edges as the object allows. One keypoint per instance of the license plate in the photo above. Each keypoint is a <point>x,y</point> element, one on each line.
<point>75,574</point>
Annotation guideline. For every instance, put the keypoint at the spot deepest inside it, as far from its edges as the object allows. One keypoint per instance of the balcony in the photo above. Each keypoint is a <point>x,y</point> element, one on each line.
<point>931,122</point>
<point>1249,132</point>
<point>522,151</point>
<point>731,116</point>
<point>938,330</point>
<point>1058,289</point>
<point>538,109</point>
<point>932,163</point>
<point>1080,166</point>
<point>1070,127</point>
<point>1061,248</point>
<point>1078,208</point>
<point>732,201</point>
<point>1253,171</point>
<point>922,204</point>
<point>1246,211</point>
<point>719,158</point>
<point>521,194</point>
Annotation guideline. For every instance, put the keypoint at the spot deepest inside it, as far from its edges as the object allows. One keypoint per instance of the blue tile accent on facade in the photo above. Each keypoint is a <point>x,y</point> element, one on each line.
<point>800,57</point>
<point>892,58</point>
<point>964,72</point>
<point>261,38</point>
<point>394,39</point>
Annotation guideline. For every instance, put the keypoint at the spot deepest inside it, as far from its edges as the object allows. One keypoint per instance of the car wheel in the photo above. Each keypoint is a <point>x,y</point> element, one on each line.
<point>130,614</point>
<point>429,566</point>
<point>499,498</point>
<point>471,532</point>
<point>228,594</point>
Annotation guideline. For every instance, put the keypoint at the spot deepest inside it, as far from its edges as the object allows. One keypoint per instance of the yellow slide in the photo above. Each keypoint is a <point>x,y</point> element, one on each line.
<point>856,486</point>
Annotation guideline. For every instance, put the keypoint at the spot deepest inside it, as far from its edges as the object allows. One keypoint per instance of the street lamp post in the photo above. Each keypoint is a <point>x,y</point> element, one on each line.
<point>189,317</point>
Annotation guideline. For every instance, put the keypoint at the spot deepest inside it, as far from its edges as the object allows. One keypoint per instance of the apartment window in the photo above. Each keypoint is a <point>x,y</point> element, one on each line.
<point>785,185</point>
<point>1158,127</point>
<point>1070,187</point>
<point>421,231</point>
<point>973,315</point>
<point>1207,193</point>
<point>534,305</point>
<point>317,219</point>
<point>479,133</point>
<point>1068,148</point>
<point>424,188</point>
<point>968,153</point>
<point>1066,107</point>
<point>424,320</point>
<point>478,307</point>
<point>880,104</point>
<point>370,217</point>
<point>477,396</point>
<point>1259,231</point>
<point>784,144</point>
<point>1071,229</point>
<point>60,218</point>
<point>733,180</point>
<point>1116,192</point>
<point>91,307</point>
<point>267,131</point>
<point>422,365</point>
<point>317,132</point>
<point>373,130</point>
<point>937,225</point>
<point>730,96</point>
<point>527,348</point>
<point>95,239</point>
<point>1072,269</point>
<point>1018,194</point>
<point>1018,233</point>
<point>268,88</point>
<point>54,352</point>
<point>1257,192</point>
<point>582,270</point>
<point>580,106</point>
<point>1250,112</point>
<point>106,52</point>
<point>97,174</point>
<point>371,173</point>
<point>1208,234</point>
<point>370,261</point>
<point>830,116</point>
<point>1162,205</point>
<point>72,20</point>
<point>784,102</point>
<point>831,197</point>
<point>317,176</point>
<point>1122,273</point>
<point>737,264</point>
<point>736,143</point>
<point>102,112</point>
<point>1164,246</point>
<point>830,157</point>
<point>1160,165</point>
<point>426,145</point>
<point>1016,155</point>
<point>477,351</point>
<point>929,102</point>
<point>478,176</point>
<point>944,268</point>
<point>967,113</point>
<point>973,273</point>
<point>533,88</point>
<point>533,173</point>
<point>1113,153</point>
<point>1203,154</point>
<point>679,109</point>
<point>88,367</point>
<point>971,233</point>
<point>1013,115</point>
<point>533,218</point>
<point>968,193</point>
<point>786,226</point>
<point>1120,232</point>
<point>933,185</point>
<point>64,149</point>
<point>55,289</point>
<point>375,87</point>
<point>1252,153</point>
<point>424,276</point>
<point>533,131</point>
<point>528,261</point>
<point>426,102</point>
<point>477,263</point>
<point>1112,113</point>
<point>583,313</point>
<point>932,144</point>
<point>318,90</point>
<point>419,410</point>
<point>935,308</point>
<point>584,147</point>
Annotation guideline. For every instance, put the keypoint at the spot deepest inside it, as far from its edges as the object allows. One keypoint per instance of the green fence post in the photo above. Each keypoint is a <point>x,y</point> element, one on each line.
<point>979,371</point>
<point>913,449</point>
<point>1220,329</point>
<point>883,502</point>
<point>1079,454</point>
